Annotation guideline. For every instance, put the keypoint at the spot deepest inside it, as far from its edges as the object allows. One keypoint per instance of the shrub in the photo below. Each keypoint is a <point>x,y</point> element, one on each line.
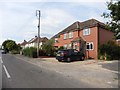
<point>15,52</point>
<point>42,53</point>
<point>61,47</point>
<point>30,52</point>
<point>48,48</point>
<point>110,51</point>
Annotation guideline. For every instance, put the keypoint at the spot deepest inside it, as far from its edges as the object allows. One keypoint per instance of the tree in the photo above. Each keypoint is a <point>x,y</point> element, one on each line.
<point>48,47</point>
<point>10,45</point>
<point>114,15</point>
<point>5,43</point>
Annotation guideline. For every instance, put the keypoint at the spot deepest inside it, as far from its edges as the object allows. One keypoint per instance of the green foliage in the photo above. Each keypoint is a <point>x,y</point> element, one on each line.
<point>11,46</point>
<point>48,47</point>
<point>110,51</point>
<point>61,47</point>
<point>30,52</point>
<point>15,52</point>
<point>114,15</point>
<point>4,45</point>
<point>42,53</point>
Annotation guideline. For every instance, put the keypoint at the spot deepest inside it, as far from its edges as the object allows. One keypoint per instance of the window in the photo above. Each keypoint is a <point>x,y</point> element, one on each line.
<point>89,45</point>
<point>75,46</point>
<point>65,46</point>
<point>70,34</point>
<point>65,36</point>
<point>56,40</point>
<point>86,31</point>
<point>70,46</point>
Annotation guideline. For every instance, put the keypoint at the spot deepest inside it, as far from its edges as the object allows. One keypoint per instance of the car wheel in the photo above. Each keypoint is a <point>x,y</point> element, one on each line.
<point>68,59</point>
<point>82,58</point>
<point>59,60</point>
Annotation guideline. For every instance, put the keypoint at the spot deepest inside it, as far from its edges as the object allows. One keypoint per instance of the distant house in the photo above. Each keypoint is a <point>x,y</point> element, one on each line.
<point>33,42</point>
<point>23,44</point>
<point>84,36</point>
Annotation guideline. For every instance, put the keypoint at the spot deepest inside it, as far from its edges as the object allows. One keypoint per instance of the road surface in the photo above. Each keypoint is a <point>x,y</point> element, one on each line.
<point>0,70</point>
<point>18,73</point>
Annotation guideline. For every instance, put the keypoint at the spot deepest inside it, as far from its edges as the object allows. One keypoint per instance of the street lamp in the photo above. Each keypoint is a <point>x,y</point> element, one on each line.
<point>38,41</point>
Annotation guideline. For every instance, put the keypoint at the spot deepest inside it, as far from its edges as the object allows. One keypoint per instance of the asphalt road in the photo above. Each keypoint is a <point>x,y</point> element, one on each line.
<point>22,74</point>
<point>0,71</point>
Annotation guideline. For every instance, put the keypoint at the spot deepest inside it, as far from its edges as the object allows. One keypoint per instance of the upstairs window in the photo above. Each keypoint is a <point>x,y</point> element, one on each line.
<point>86,31</point>
<point>65,36</point>
<point>89,45</point>
<point>70,34</point>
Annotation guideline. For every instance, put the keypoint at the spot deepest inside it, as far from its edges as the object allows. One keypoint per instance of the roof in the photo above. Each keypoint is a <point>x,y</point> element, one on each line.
<point>44,39</point>
<point>23,43</point>
<point>81,25</point>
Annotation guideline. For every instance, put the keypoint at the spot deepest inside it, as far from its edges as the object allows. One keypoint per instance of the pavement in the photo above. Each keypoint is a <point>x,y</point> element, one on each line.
<point>92,72</point>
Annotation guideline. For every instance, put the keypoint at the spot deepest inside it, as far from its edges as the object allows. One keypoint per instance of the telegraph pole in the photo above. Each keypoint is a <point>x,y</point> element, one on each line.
<point>38,41</point>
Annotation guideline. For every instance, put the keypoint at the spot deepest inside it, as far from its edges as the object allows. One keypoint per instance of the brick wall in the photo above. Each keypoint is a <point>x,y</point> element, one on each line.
<point>93,37</point>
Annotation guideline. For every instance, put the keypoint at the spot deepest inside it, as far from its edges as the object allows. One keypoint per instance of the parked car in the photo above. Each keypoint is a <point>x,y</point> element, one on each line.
<point>69,55</point>
<point>3,51</point>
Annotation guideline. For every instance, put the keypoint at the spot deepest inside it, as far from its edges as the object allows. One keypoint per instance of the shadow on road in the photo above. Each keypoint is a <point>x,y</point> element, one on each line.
<point>114,66</point>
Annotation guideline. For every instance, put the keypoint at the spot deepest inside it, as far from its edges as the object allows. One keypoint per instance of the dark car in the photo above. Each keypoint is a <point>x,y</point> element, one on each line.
<point>69,55</point>
<point>3,51</point>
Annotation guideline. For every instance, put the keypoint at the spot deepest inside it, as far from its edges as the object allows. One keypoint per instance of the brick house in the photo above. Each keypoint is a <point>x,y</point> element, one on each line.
<point>84,36</point>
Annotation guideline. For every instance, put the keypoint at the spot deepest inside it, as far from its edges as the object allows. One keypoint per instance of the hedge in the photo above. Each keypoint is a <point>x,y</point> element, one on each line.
<point>30,52</point>
<point>110,51</point>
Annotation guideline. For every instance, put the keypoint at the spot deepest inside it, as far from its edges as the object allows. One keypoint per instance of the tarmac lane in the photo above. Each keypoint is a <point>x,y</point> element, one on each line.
<point>0,70</point>
<point>22,74</point>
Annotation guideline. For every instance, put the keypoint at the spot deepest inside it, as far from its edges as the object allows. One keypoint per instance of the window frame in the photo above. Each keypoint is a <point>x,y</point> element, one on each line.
<point>65,35</point>
<point>86,31</point>
<point>90,43</point>
<point>56,40</point>
<point>75,46</point>
<point>70,46</point>
<point>70,34</point>
<point>65,46</point>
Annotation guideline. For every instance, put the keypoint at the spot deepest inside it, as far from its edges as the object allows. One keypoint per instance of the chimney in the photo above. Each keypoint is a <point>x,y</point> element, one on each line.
<point>24,40</point>
<point>77,24</point>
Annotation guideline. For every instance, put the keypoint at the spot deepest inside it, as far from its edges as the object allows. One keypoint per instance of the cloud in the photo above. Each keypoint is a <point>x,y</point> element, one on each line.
<point>53,0</point>
<point>19,21</point>
<point>52,20</point>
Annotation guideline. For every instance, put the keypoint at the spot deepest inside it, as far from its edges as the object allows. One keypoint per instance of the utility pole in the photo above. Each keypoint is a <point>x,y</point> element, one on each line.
<point>38,41</point>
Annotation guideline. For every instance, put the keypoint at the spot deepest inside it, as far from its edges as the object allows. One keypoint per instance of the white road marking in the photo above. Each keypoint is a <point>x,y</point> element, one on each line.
<point>6,71</point>
<point>1,61</point>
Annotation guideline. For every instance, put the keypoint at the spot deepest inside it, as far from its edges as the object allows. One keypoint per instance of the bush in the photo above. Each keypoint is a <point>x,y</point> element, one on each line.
<point>48,48</point>
<point>42,53</point>
<point>30,52</point>
<point>15,52</point>
<point>110,51</point>
<point>61,48</point>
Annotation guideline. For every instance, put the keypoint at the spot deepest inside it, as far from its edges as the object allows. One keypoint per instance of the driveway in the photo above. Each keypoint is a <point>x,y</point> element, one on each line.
<point>95,72</point>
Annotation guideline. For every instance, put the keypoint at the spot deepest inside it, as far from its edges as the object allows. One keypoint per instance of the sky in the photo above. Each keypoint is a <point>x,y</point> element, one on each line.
<point>18,20</point>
